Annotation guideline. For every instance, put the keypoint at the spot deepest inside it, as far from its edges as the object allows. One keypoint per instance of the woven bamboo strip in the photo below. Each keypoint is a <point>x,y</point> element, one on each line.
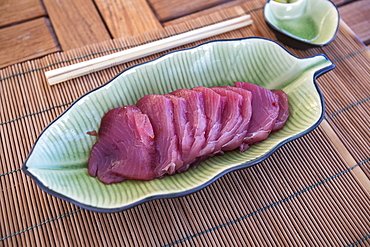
<point>360,174</point>
<point>338,188</point>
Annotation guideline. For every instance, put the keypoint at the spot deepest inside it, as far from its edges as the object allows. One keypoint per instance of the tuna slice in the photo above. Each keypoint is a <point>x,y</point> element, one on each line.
<point>283,109</point>
<point>213,108</point>
<point>125,149</point>
<point>182,128</point>
<point>265,110</point>
<point>197,122</point>
<point>231,116</point>
<point>160,111</point>
<point>246,112</point>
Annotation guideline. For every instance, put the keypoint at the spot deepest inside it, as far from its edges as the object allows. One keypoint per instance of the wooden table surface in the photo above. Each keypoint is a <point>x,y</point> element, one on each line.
<point>34,28</point>
<point>312,191</point>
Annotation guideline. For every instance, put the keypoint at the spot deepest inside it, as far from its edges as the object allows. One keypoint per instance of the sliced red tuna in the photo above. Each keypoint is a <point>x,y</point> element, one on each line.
<point>197,121</point>
<point>213,107</point>
<point>283,110</point>
<point>182,128</point>
<point>165,134</point>
<point>265,110</point>
<point>125,149</point>
<point>246,112</point>
<point>101,161</point>
<point>231,116</point>
<point>160,112</point>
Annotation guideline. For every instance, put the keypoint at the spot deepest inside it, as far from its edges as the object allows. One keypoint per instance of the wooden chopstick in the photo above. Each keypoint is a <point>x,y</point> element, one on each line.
<point>76,70</point>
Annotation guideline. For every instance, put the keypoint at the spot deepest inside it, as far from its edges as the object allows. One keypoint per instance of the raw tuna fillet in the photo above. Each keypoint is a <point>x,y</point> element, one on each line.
<point>283,109</point>
<point>246,112</point>
<point>213,107</point>
<point>125,149</point>
<point>166,134</point>
<point>265,107</point>
<point>197,121</point>
<point>182,128</point>
<point>160,112</point>
<point>231,116</point>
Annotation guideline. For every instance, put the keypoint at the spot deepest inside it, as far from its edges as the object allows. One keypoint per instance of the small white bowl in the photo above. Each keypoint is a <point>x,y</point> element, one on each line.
<point>291,10</point>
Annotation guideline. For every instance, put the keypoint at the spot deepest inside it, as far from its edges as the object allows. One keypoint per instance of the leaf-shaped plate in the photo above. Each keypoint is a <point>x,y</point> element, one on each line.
<point>58,160</point>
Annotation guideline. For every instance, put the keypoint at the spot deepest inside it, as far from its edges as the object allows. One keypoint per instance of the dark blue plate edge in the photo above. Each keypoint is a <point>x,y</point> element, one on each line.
<point>188,192</point>
<point>298,43</point>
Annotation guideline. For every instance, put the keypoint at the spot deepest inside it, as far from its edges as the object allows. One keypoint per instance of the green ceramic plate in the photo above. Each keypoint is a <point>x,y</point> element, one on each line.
<point>58,160</point>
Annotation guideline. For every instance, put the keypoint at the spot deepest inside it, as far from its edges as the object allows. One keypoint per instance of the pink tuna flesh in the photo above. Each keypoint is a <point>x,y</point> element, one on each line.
<point>125,149</point>
<point>231,116</point>
<point>183,129</point>
<point>197,121</point>
<point>213,108</point>
<point>283,110</point>
<point>165,134</point>
<point>265,110</point>
<point>246,112</point>
<point>160,111</point>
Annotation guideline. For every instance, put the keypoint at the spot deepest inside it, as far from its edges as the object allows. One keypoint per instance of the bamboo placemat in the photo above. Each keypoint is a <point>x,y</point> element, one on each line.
<point>313,191</point>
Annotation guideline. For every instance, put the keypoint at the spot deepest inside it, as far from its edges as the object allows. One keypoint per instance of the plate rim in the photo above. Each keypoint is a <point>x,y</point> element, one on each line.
<point>247,164</point>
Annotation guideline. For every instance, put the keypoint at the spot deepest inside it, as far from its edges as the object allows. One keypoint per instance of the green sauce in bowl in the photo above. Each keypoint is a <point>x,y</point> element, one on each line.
<point>304,28</point>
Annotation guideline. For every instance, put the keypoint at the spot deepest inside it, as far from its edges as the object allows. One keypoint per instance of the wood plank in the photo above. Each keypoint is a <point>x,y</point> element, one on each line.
<point>205,12</point>
<point>19,10</point>
<point>341,2</point>
<point>128,17</point>
<point>171,9</point>
<point>76,22</point>
<point>26,41</point>
<point>356,15</point>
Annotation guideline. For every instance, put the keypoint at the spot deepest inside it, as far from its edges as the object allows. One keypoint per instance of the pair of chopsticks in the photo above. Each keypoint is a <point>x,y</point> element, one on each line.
<point>76,70</point>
